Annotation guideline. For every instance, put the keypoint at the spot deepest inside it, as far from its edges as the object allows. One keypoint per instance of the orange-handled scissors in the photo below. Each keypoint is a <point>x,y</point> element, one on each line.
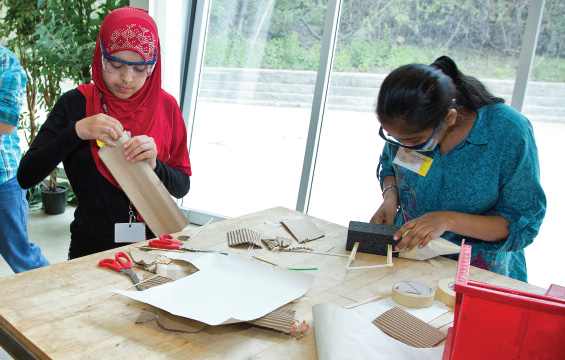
<point>121,264</point>
<point>166,241</point>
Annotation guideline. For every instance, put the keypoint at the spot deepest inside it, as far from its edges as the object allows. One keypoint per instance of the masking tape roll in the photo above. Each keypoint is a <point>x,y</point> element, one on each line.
<point>413,294</point>
<point>445,292</point>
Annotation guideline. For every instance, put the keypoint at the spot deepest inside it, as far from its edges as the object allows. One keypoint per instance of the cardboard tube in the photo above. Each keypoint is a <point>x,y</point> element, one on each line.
<point>413,294</point>
<point>445,292</point>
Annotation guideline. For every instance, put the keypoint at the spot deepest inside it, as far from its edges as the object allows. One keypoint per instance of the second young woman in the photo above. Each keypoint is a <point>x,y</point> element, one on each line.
<point>460,164</point>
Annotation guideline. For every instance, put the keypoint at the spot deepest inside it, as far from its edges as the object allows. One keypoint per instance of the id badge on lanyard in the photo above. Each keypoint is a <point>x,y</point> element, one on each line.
<point>131,232</point>
<point>413,161</point>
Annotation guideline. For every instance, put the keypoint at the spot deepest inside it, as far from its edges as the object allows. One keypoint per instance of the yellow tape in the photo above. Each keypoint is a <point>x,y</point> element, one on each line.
<point>413,294</point>
<point>426,165</point>
<point>445,292</point>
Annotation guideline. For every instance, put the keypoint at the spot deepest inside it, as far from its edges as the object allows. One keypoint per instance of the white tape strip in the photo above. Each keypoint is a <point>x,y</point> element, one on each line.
<point>413,294</point>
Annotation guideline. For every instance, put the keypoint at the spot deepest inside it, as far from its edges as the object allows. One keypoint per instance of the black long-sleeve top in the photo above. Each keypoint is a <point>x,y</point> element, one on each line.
<point>100,204</point>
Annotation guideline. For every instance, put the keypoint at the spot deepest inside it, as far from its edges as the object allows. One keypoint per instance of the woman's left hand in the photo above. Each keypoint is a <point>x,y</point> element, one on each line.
<point>141,147</point>
<point>423,229</point>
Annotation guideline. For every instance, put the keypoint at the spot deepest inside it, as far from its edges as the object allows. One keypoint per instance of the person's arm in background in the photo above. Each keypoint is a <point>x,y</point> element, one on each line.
<point>13,80</point>
<point>54,141</point>
<point>6,129</point>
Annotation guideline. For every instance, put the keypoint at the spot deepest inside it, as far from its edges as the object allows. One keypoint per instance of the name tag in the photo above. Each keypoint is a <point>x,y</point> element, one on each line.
<point>413,161</point>
<point>129,233</point>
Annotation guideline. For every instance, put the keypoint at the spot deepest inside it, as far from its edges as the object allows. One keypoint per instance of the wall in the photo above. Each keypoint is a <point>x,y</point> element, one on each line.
<point>350,91</point>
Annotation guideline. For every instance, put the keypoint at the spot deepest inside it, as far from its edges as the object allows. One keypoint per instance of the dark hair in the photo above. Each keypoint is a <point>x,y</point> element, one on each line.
<point>421,95</point>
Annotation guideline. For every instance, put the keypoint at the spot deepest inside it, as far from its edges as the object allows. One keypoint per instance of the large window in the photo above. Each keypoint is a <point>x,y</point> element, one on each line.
<point>262,67</point>
<point>253,105</point>
<point>545,105</point>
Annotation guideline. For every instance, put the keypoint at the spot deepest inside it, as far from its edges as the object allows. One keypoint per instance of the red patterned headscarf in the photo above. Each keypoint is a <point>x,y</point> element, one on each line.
<point>133,29</point>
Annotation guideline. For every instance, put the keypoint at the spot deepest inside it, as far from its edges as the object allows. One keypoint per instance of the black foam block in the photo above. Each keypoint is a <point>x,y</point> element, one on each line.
<point>372,238</point>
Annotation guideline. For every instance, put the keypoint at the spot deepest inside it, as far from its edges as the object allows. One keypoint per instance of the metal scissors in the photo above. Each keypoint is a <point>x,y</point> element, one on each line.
<point>121,264</point>
<point>166,241</point>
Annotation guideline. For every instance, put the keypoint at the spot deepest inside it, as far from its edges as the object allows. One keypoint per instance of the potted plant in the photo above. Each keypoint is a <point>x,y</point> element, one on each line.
<point>53,197</point>
<point>55,41</point>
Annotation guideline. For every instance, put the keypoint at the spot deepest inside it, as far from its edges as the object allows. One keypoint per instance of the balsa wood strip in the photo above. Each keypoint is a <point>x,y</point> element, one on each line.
<point>144,189</point>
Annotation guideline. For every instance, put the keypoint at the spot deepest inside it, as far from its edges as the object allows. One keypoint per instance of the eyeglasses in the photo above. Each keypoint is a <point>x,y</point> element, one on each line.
<point>429,145</point>
<point>118,66</point>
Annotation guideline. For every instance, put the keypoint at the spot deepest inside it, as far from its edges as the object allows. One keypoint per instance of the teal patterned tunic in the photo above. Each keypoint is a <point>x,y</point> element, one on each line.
<point>494,171</point>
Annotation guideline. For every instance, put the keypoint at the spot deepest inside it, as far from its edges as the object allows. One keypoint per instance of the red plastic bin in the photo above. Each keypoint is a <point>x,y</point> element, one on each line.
<point>492,322</point>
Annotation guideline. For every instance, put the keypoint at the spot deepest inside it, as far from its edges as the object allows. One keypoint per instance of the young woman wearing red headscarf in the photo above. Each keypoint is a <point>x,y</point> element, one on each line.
<point>125,95</point>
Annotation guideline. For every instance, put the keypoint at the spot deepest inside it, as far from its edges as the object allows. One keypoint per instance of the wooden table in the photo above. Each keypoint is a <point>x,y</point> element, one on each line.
<point>39,318</point>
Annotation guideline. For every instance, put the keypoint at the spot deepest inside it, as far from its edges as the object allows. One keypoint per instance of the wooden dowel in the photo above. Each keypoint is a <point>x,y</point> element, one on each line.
<point>265,261</point>
<point>362,302</point>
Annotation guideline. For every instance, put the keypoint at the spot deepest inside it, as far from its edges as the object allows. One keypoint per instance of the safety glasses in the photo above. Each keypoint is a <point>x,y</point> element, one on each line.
<point>118,66</point>
<point>429,145</point>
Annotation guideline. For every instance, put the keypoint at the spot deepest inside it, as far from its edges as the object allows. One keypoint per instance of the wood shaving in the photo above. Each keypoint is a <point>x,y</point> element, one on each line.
<point>297,330</point>
<point>147,261</point>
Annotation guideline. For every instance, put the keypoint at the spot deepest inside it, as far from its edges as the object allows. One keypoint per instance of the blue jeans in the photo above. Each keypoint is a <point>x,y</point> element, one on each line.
<point>15,248</point>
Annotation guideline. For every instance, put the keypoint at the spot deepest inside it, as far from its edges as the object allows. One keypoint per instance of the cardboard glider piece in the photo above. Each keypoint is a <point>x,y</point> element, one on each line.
<point>144,189</point>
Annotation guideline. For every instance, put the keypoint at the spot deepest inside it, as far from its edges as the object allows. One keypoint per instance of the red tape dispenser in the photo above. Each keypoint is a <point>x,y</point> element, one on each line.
<point>492,322</point>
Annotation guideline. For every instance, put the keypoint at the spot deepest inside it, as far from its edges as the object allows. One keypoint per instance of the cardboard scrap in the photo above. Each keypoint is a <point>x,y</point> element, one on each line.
<point>244,236</point>
<point>282,244</point>
<point>172,322</point>
<point>143,257</point>
<point>298,248</point>
<point>144,189</point>
<point>277,244</point>
<point>407,328</point>
<point>145,317</point>
<point>279,320</point>
<point>154,281</point>
<point>176,269</point>
<point>303,230</point>
<point>148,260</point>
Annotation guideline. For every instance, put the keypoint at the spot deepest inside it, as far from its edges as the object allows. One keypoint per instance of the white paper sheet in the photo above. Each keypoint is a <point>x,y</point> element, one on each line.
<point>226,289</point>
<point>350,334</point>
